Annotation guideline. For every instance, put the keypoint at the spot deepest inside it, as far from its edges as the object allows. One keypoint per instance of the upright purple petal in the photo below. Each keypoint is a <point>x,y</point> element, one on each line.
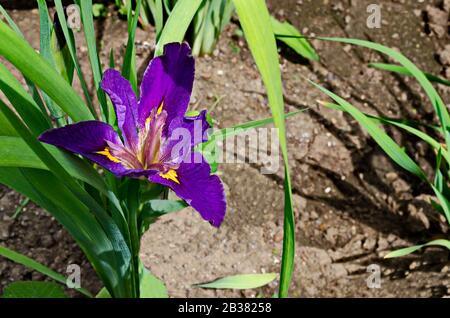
<point>125,105</point>
<point>194,183</point>
<point>168,82</point>
<point>183,133</point>
<point>195,126</point>
<point>86,138</point>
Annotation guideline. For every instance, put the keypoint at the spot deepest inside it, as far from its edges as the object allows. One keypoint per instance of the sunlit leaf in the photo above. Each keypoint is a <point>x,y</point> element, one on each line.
<point>33,289</point>
<point>30,263</point>
<point>244,281</point>
<point>255,21</point>
<point>299,45</point>
<point>177,23</point>
<point>412,249</point>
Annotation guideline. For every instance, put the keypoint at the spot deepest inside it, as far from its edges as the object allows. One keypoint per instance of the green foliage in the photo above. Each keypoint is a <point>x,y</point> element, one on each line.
<point>71,48</point>
<point>90,37</point>
<point>30,263</point>
<point>404,71</point>
<point>99,10</point>
<point>209,22</point>
<point>150,286</point>
<point>289,35</point>
<point>129,60</point>
<point>33,290</point>
<point>243,281</point>
<point>178,23</point>
<point>209,17</point>
<point>256,23</point>
<point>36,69</point>
<point>412,249</point>
<point>390,147</point>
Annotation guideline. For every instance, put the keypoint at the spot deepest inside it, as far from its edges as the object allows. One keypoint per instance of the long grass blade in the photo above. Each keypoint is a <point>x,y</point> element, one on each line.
<point>412,249</point>
<point>435,99</point>
<point>22,102</point>
<point>10,21</point>
<point>389,146</point>
<point>404,71</point>
<point>157,10</point>
<point>299,45</point>
<point>177,23</point>
<point>14,152</point>
<point>129,61</point>
<point>89,34</point>
<point>255,21</point>
<point>45,51</point>
<point>403,124</point>
<point>68,35</point>
<point>31,86</point>
<point>35,68</point>
<point>30,263</point>
<point>118,245</point>
<point>242,281</point>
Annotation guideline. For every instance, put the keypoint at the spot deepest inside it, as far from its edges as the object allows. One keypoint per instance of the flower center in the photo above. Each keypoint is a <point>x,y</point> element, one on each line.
<point>146,154</point>
<point>150,138</point>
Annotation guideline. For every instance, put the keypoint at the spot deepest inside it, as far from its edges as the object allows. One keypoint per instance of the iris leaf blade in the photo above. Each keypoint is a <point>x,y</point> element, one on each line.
<point>14,152</point>
<point>412,249</point>
<point>68,35</point>
<point>255,21</point>
<point>129,60</point>
<point>89,34</point>
<point>35,68</point>
<point>389,146</point>
<point>434,97</point>
<point>22,102</point>
<point>33,289</point>
<point>177,24</point>
<point>31,263</point>
<point>45,51</point>
<point>242,281</point>
<point>120,251</point>
<point>299,45</point>
<point>404,71</point>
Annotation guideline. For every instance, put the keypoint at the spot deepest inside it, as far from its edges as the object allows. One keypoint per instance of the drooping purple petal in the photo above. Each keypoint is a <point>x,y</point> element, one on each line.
<point>87,138</point>
<point>83,137</point>
<point>125,105</point>
<point>168,81</point>
<point>195,184</point>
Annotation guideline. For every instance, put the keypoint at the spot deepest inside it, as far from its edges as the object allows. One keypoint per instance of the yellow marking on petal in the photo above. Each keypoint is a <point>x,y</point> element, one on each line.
<point>160,108</point>
<point>148,120</point>
<point>108,155</point>
<point>170,175</point>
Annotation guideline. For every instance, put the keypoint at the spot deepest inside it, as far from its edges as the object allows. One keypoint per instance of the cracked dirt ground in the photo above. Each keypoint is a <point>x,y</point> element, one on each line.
<point>352,205</point>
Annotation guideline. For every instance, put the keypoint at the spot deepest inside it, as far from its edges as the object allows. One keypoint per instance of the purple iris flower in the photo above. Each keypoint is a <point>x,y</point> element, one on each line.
<point>152,132</point>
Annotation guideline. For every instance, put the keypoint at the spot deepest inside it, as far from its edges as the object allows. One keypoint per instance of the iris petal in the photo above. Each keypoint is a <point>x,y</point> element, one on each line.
<point>125,105</point>
<point>87,138</point>
<point>203,191</point>
<point>147,128</point>
<point>168,81</point>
